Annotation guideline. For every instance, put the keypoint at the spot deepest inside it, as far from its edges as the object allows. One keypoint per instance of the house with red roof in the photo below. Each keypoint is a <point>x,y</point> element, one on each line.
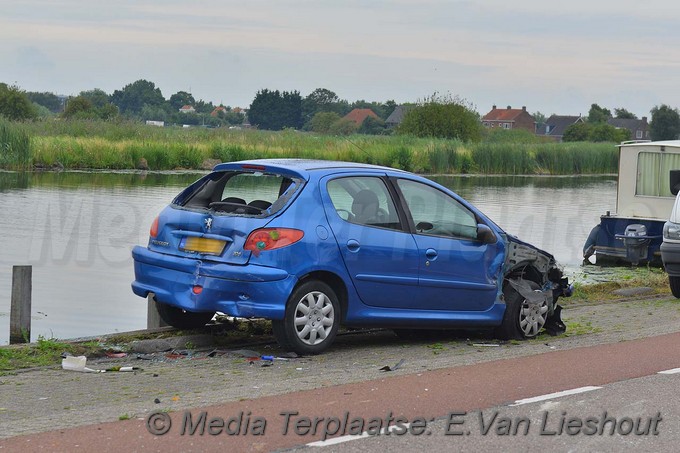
<point>218,109</point>
<point>358,116</point>
<point>509,118</point>
<point>187,109</point>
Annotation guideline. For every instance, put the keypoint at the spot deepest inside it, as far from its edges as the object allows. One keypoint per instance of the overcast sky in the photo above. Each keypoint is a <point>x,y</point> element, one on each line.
<point>552,57</point>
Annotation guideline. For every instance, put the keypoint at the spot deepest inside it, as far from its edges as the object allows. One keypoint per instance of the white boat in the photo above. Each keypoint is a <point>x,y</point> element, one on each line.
<point>633,232</point>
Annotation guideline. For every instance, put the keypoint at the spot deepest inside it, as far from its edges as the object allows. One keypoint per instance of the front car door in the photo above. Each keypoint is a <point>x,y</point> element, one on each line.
<point>457,272</point>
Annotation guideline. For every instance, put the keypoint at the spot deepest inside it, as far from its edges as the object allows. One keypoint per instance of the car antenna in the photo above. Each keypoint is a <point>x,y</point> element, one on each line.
<point>358,147</point>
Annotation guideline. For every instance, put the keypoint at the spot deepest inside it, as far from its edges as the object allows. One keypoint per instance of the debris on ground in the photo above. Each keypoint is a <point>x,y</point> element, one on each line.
<point>78,363</point>
<point>394,368</point>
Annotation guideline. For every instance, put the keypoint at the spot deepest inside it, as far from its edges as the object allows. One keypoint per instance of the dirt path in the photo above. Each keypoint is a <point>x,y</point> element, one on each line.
<point>49,399</point>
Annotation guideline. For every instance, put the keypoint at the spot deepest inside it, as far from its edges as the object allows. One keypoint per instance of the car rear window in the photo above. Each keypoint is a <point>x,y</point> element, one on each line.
<point>240,193</point>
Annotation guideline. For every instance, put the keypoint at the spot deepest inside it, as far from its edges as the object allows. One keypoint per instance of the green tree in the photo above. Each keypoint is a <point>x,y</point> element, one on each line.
<point>41,111</point>
<point>204,107</point>
<point>154,113</point>
<point>598,114</point>
<point>99,98</point>
<point>665,124</point>
<point>79,107</point>
<point>15,105</point>
<point>90,105</point>
<point>134,96</point>
<point>622,113</point>
<point>372,126</point>
<point>101,104</point>
<point>108,111</point>
<point>49,100</point>
<point>577,132</point>
<point>539,117</point>
<point>273,110</point>
<point>322,122</point>
<point>442,117</point>
<point>322,100</point>
<point>343,127</point>
<point>319,100</point>
<point>180,99</point>
<point>598,132</point>
<point>607,133</point>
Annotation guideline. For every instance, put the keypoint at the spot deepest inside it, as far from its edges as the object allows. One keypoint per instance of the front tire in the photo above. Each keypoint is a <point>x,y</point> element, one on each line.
<point>675,286</point>
<point>182,319</point>
<point>521,319</point>
<point>311,320</point>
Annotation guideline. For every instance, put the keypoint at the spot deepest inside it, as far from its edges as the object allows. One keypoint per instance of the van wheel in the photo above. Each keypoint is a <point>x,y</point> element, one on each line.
<point>182,319</point>
<point>675,286</point>
<point>311,320</point>
<point>521,319</point>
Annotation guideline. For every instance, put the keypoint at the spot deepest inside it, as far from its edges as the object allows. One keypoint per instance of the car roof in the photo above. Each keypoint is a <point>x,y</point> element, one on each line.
<point>300,166</point>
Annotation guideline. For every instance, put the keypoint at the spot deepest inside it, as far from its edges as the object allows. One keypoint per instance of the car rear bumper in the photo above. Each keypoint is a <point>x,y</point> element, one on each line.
<point>247,291</point>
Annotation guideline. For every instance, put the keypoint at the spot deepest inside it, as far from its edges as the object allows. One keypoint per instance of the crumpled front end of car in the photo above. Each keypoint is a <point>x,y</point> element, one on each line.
<point>525,263</point>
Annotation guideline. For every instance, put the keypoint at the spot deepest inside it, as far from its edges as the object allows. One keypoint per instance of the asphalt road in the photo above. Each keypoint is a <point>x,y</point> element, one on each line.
<point>428,395</point>
<point>641,414</point>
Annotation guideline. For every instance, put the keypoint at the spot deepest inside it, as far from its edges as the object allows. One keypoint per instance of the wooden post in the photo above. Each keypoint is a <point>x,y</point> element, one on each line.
<point>20,311</point>
<point>153,318</point>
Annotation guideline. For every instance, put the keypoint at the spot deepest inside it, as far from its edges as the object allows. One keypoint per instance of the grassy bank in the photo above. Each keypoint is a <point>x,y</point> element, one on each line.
<point>625,277</point>
<point>101,145</point>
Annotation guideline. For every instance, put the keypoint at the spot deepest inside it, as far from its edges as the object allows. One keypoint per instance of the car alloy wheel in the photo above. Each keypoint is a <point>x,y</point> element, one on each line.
<point>311,320</point>
<point>532,317</point>
<point>314,318</point>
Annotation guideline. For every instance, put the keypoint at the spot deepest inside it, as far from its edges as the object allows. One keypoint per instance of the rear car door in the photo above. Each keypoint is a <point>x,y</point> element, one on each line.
<point>381,257</point>
<point>457,272</point>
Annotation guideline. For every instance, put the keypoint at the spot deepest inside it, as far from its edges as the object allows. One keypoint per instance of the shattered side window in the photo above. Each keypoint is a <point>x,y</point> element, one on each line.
<point>240,193</point>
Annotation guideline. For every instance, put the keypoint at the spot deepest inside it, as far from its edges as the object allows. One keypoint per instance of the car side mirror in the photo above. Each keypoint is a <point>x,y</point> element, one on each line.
<point>485,234</point>
<point>675,181</point>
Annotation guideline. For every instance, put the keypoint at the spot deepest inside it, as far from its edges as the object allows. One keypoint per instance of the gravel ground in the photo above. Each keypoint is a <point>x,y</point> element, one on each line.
<point>51,398</point>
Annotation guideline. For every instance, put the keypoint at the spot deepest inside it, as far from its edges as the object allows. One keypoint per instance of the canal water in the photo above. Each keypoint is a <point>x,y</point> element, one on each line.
<point>77,230</point>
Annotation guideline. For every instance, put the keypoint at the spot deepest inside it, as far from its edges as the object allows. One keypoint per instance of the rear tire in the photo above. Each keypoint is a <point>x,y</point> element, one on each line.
<point>182,319</point>
<point>521,319</point>
<point>675,286</point>
<point>311,320</point>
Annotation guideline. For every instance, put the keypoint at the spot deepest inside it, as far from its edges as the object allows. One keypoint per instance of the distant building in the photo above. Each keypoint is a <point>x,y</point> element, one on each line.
<point>397,115</point>
<point>155,123</point>
<point>555,126</point>
<point>218,109</point>
<point>187,109</point>
<point>509,118</point>
<point>639,129</point>
<point>358,116</point>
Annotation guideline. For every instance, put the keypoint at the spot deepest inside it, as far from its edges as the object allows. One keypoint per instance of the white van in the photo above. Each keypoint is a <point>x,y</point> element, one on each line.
<point>670,247</point>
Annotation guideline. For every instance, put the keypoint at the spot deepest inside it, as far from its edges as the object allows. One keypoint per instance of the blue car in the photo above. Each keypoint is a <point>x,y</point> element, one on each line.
<point>313,244</point>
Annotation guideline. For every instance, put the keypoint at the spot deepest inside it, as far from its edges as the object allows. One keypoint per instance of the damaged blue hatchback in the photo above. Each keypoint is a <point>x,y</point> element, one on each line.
<point>314,244</point>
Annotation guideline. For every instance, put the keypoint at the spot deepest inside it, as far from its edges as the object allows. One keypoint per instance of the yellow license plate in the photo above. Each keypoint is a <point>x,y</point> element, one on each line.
<point>203,245</point>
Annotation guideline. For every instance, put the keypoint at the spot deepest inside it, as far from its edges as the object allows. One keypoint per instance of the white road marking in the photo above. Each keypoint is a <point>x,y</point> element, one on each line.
<point>349,437</point>
<point>673,371</point>
<point>550,396</point>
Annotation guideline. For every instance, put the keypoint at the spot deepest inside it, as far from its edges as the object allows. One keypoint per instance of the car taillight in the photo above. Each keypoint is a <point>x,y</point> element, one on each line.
<point>153,232</point>
<point>271,238</point>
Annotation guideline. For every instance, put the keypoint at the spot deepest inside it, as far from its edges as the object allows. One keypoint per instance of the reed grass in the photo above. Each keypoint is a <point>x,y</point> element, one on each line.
<point>15,146</point>
<point>121,145</point>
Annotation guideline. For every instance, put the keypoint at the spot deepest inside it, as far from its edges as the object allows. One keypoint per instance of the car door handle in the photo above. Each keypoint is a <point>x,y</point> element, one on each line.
<point>353,245</point>
<point>431,254</point>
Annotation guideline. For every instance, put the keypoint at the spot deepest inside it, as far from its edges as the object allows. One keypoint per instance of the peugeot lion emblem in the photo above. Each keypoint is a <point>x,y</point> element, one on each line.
<point>208,223</point>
